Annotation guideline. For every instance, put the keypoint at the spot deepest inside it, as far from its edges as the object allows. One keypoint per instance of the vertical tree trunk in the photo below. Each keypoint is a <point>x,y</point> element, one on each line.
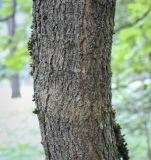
<point>15,80</point>
<point>71,50</point>
<point>1,3</point>
<point>15,85</point>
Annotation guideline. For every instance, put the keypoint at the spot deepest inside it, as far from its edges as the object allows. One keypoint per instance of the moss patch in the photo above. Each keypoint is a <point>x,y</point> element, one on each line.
<point>121,144</point>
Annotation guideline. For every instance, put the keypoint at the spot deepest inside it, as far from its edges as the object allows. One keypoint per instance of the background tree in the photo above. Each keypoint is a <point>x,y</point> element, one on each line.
<point>13,50</point>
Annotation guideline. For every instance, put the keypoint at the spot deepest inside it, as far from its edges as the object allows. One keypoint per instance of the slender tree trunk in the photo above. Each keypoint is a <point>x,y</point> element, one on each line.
<point>1,3</point>
<point>15,80</point>
<point>71,50</point>
<point>15,85</point>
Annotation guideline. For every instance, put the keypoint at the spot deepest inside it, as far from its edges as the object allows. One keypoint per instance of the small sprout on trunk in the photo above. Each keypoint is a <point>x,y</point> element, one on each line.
<point>36,111</point>
<point>33,99</point>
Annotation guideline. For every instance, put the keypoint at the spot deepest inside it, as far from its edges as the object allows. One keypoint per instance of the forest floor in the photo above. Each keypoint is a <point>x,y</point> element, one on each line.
<point>19,129</point>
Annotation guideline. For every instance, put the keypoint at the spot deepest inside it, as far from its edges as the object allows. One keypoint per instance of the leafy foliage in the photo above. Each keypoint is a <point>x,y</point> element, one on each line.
<point>17,60</point>
<point>131,78</point>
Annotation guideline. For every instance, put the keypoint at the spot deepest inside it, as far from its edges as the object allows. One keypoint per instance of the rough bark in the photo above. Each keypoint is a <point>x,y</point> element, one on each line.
<point>71,50</point>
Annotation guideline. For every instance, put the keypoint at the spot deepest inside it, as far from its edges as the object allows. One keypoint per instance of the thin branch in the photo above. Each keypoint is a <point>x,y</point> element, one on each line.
<point>135,22</point>
<point>11,15</point>
<point>6,18</point>
<point>12,18</point>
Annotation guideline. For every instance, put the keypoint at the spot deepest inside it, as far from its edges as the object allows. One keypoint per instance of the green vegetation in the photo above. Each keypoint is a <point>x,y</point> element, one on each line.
<point>20,134</point>
<point>121,146</point>
<point>14,36</point>
<point>131,81</point>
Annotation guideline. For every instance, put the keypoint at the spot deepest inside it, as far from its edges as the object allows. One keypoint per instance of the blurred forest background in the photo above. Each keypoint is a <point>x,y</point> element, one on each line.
<point>131,79</point>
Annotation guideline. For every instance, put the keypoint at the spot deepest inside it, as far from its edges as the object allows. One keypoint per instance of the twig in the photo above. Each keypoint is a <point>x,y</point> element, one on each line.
<point>11,15</point>
<point>133,23</point>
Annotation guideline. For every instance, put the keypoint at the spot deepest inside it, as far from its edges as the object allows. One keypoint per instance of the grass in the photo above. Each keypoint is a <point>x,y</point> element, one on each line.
<point>19,129</point>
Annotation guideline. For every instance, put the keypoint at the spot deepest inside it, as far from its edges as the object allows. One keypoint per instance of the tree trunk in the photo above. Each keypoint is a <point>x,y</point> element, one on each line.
<point>15,80</point>
<point>71,50</point>
<point>15,85</point>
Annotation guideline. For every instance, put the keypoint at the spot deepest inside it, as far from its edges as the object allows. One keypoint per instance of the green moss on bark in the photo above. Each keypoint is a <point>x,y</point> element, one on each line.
<point>121,144</point>
<point>36,111</point>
